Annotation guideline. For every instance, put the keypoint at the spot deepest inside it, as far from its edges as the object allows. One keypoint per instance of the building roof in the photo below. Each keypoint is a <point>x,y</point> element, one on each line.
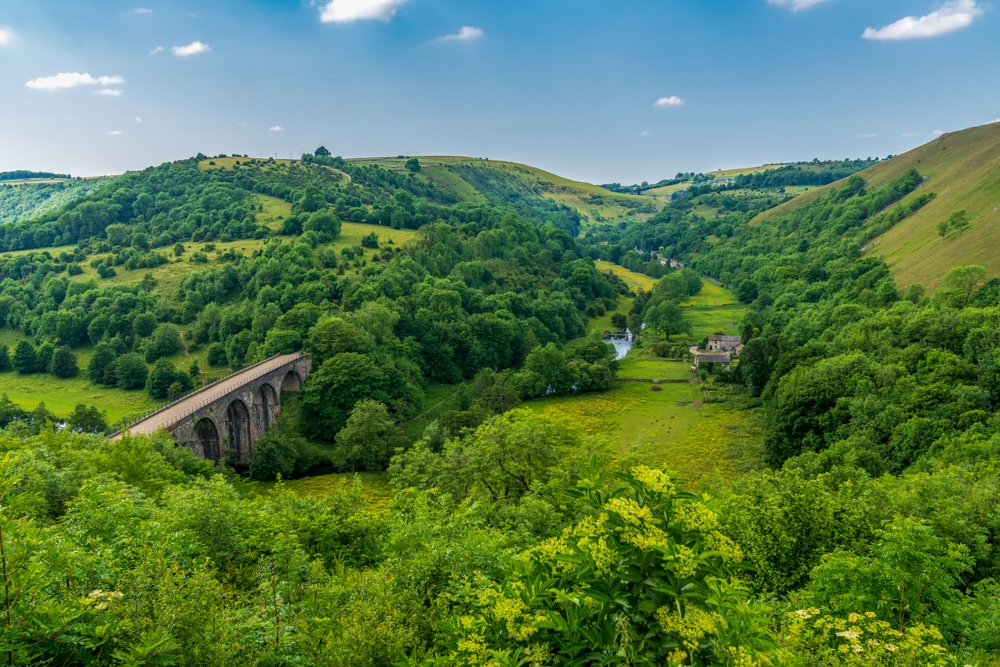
<point>726,339</point>
<point>722,358</point>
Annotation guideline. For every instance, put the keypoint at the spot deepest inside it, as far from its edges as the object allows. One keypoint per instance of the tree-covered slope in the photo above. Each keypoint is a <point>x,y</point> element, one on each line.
<point>963,170</point>
<point>25,198</point>
<point>501,182</point>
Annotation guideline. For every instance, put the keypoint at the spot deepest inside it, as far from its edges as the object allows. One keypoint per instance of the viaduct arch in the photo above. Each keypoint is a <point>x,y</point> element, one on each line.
<point>225,419</point>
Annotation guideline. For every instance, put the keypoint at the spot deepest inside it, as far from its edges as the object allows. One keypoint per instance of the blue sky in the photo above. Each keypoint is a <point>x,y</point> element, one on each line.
<point>600,91</point>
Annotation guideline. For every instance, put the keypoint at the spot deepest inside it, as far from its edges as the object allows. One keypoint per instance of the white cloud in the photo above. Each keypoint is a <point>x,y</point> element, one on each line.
<point>867,135</point>
<point>243,123</point>
<point>937,133</point>
<point>138,119</point>
<point>5,34</point>
<point>346,11</point>
<point>115,133</point>
<point>110,92</point>
<point>276,128</point>
<point>952,16</point>
<point>667,102</point>
<point>644,133</point>
<point>192,49</point>
<point>995,120</point>
<point>72,80</point>
<point>466,34</point>
<point>796,5</point>
<point>158,49</point>
<point>142,10</point>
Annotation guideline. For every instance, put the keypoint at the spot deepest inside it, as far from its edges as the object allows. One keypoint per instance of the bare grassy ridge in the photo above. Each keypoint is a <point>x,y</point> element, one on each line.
<point>963,170</point>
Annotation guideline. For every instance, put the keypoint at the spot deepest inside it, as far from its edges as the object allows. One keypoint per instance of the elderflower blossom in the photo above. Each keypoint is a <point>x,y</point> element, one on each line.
<point>655,480</point>
<point>691,627</point>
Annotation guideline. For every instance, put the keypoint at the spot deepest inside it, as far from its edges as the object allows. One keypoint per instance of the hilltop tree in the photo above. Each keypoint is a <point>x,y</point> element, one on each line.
<point>321,152</point>
<point>413,165</point>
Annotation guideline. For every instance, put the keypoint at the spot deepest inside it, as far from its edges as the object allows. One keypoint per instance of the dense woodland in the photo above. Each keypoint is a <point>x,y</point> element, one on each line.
<point>513,538</point>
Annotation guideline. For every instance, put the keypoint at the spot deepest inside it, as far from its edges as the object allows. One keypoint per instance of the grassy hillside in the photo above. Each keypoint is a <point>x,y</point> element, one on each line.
<point>474,179</point>
<point>963,170</point>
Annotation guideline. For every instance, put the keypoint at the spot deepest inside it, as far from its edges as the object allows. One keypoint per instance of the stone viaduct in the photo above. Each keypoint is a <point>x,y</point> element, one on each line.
<point>226,418</point>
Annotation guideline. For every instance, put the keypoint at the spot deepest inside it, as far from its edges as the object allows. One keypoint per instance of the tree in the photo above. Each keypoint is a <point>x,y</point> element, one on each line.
<point>103,357</point>
<point>64,363</point>
<point>333,335</point>
<point>548,363</point>
<point>324,221</point>
<point>413,165</point>
<point>178,249</point>
<point>164,342</point>
<point>668,317</point>
<point>131,371</point>
<point>963,281</point>
<point>143,325</point>
<point>87,419</point>
<point>217,355</point>
<point>43,357</point>
<point>333,390</point>
<point>364,443</point>
<point>370,241</point>
<point>10,411</point>
<point>25,359</point>
<point>619,321</point>
<point>161,376</point>
<point>5,364</point>
<point>321,152</point>
<point>194,372</point>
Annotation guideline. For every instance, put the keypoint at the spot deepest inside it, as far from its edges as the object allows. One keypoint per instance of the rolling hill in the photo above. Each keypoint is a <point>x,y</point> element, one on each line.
<point>497,182</point>
<point>963,170</point>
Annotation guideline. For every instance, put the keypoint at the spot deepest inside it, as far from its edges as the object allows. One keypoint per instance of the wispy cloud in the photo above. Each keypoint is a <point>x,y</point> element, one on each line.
<point>952,16</point>
<point>867,135</point>
<point>192,49</point>
<point>796,5</point>
<point>667,102</point>
<point>644,133</point>
<point>465,34</point>
<point>5,35</point>
<point>72,80</point>
<point>275,128</point>
<point>115,133</point>
<point>346,11</point>
<point>937,133</point>
<point>110,92</point>
<point>158,49</point>
<point>141,10</point>
<point>995,120</point>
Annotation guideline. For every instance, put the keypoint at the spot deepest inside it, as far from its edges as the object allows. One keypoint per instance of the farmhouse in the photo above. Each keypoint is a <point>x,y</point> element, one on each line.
<point>712,358</point>
<point>731,344</point>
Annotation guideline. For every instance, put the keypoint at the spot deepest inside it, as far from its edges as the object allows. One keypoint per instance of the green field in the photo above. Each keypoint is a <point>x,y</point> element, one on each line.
<point>374,487</point>
<point>669,425</point>
<point>668,428</point>
<point>636,281</point>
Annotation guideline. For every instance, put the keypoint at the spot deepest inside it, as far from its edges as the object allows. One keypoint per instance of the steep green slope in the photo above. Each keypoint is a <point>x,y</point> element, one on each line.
<point>963,170</point>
